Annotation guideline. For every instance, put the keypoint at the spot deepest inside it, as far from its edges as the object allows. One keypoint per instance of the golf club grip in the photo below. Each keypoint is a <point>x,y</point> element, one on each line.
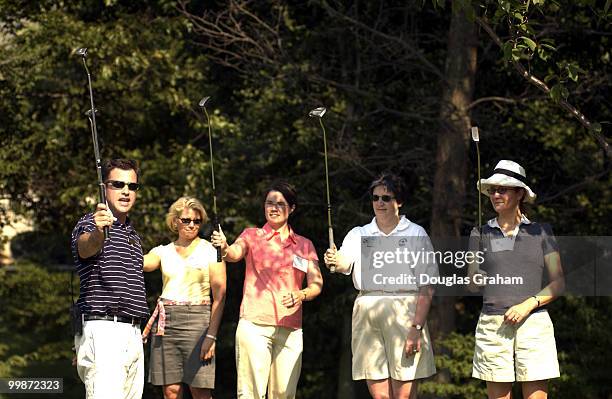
<point>219,254</point>
<point>332,268</point>
<point>103,201</point>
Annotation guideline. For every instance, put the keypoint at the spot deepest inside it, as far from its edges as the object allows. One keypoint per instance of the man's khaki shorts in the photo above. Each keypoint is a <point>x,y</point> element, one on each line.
<point>508,353</point>
<point>380,327</point>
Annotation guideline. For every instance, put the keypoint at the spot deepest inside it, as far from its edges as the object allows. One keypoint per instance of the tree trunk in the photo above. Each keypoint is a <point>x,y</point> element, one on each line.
<point>450,178</point>
<point>345,377</point>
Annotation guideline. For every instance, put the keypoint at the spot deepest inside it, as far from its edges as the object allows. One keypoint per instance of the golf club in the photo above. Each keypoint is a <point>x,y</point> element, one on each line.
<point>476,139</point>
<point>91,114</point>
<point>318,113</point>
<point>215,221</point>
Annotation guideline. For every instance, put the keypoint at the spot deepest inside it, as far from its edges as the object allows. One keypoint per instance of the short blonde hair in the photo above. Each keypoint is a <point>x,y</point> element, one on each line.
<point>175,210</point>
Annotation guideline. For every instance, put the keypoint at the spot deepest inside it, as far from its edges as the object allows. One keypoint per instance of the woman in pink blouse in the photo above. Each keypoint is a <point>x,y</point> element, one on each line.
<point>269,333</point>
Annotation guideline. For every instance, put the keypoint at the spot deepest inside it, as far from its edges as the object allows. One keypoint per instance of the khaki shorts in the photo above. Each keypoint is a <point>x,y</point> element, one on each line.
<point>508,353</point>
<point>380,327</point>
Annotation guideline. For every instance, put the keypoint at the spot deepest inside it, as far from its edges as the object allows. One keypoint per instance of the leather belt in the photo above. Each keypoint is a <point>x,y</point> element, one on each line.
<point>135,321</point>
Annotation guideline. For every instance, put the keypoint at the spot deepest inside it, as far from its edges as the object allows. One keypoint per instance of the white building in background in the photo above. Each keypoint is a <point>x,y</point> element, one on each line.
<point>16,224</point>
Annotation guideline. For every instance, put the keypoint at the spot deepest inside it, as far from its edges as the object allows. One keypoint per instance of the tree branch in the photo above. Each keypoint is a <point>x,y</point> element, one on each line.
<point>492,98</point>
<point>573,187</point>
<point>544,87</point>
<point>411,49</point>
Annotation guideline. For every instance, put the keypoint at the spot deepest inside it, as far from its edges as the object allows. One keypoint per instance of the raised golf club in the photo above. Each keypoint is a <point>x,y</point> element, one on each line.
<point>91,114</point>
<point>215,220</point>
<point>88,115</point>
<point>318,113</point>
<point>476,139</point>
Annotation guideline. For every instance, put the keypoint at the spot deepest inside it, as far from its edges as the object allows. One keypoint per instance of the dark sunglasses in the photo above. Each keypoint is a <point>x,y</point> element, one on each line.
<point>499,190</point>
<point>385,198</point>
<point>118,185</point>
<point>187,221</point>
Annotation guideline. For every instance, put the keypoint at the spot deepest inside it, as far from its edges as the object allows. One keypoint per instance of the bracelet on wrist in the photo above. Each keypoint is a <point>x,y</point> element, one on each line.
<point>537,300</point>
<point>214,338</point>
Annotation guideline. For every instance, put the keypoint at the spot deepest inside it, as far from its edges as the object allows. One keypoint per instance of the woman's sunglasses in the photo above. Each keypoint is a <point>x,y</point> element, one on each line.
<point>499,190</point>
<point>187,221</point>
<point>385,198</point>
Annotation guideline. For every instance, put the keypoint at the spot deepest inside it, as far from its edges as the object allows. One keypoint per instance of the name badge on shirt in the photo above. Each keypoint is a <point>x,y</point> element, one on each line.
<point>502,244</point>
<point>300,263</point>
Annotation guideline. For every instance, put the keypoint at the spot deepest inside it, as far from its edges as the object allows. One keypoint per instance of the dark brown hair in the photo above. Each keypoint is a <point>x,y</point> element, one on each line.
<point>120,163</point>
<point>286,189</point>
<point>392,183</point>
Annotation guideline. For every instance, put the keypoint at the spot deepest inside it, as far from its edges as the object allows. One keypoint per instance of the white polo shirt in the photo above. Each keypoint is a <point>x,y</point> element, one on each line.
<point>351,245</point>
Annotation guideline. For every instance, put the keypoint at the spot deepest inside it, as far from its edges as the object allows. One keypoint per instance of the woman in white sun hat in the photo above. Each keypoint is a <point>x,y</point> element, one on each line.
<point>515,339</point>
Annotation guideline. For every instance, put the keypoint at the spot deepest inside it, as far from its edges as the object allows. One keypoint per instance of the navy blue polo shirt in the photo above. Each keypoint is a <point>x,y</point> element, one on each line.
<point>521,256</point>
<point>112,282</point>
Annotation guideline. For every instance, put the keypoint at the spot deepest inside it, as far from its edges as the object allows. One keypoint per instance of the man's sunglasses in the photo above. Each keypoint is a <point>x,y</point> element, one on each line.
<point>385,198</point>
<point>118,185</point>
<point>187,221</point>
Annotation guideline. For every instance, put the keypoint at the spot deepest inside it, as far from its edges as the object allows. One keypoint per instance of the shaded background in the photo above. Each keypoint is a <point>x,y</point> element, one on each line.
<point>402,81</point>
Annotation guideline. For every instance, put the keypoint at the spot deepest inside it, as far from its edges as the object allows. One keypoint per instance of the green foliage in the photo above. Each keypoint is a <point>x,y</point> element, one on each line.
<point>35,335</point>
<point>582,327</point>
<point>456,352</point>
<point>378,68</point>
<point>42,248</point>
<point>36,300</point>
<point>133,59</point>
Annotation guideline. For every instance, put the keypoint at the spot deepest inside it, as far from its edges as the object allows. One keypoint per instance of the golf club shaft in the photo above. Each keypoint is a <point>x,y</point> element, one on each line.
<point>216,224</point>
<point>94,136</point>
<point>329,210</point>
<point>479,194</point>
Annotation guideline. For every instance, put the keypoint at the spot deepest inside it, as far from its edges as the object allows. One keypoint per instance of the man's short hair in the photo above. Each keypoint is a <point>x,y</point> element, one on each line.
<point>120,163</point>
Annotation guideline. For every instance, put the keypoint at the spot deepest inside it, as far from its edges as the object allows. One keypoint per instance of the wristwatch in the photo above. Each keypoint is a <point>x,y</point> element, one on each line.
<point>417,326</point>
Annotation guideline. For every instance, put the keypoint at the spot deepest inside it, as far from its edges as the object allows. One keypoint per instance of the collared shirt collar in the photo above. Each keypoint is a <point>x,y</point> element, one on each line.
<point>270,232</point>
<point>372,227</point>
<point>494,224</point>
<point>127,224</point>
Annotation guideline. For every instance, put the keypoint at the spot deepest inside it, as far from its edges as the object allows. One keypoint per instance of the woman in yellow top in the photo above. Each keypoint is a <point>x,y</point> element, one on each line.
<point>185,321</point>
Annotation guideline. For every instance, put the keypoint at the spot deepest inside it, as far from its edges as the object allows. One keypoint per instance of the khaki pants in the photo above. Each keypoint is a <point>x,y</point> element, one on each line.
<point>110,360</point>
<point>267,358</point>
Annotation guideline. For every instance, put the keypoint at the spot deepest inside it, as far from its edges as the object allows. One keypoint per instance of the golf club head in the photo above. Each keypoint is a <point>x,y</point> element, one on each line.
<point>318,112</point>
<point>475,134</point>
<point>88,112</point>
<point>82,51</point>
<point>203,101</point>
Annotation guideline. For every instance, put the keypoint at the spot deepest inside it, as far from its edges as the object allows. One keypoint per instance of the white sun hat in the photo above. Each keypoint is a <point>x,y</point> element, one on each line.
<point>508,174</point>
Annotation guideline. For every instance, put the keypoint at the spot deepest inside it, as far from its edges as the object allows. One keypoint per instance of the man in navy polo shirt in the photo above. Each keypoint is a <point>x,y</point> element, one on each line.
<point>110,359</point>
